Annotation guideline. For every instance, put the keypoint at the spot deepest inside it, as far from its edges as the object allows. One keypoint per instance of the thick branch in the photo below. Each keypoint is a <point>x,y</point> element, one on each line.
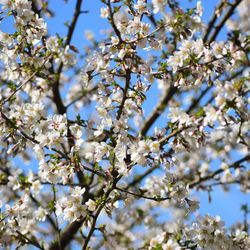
<point>158,110</point>
<point>67,235</point>
<point>56,93</point>
<point>72,229</point>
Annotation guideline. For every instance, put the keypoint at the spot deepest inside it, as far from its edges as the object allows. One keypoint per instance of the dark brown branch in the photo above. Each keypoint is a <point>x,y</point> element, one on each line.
<point>112,22</point>
<point>143,196</point>
<point>158,110</point>
<point>101,206</point>
<point>212,21</point>
<point>55,88</point>
<point>127,83</point>
<point>67,235</point>
<point>72,229</point>
<point>92,229</point>
<point>166,138</point>
<point>221,24</point>
<point>74,21</point>
<point>35,8</point>
<point>32,242</point>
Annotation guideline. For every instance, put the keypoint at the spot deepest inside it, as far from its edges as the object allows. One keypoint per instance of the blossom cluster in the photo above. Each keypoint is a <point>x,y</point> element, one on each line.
<point>83,153</point>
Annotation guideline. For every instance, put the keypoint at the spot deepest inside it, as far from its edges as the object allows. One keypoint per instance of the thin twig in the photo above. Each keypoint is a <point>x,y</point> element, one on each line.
<point>92,229</point>
<point>234,165</point>
<point>143,196</point>
<point>213,20</point>
<point>127,83</point>
<point>116,30</point>
<point>223,20</point>
<point>32,242</point>
<point>22,84</point>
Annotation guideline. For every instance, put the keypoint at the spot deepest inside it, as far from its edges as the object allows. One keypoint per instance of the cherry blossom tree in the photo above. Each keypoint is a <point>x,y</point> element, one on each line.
<point>116,177</point>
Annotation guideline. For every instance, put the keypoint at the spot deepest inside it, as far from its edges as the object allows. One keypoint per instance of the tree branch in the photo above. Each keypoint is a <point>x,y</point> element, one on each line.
<point>67,235</point>
<point>213,20</point>
<point>143,196</point>
<point>219,171</point>
<point>127,83</point>
<point>223,21</point>
<point>158,110</point>
<point>55,88</point>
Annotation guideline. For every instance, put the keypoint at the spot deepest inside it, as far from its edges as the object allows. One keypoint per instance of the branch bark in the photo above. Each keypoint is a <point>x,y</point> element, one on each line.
<point>221,24</point>
<point>161,106</point>
<point>219,171</point>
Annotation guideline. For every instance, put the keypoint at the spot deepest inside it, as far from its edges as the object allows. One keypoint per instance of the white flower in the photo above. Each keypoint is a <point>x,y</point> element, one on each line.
<point>178,115</point>
<point>13,181</point>
<point>171,245</point>
<point>104,12</point>
<point>193,205</point>
<point>140,6</point>
<point>58,208</point>
<point>77,134</point>
<point>144,147</point>
<point>121,53</point>
<point>159,5</point>
<point>179,192</point>
<point>36,186</point>
<point>5,38</point>
<point>101,150</point>
<point>120,18</point>
<point>106,118</point>
<point>40,214</point>
<point>211,115</point>
<point>77,192</point>
<point>120,151</point>
<point>122,168</point>
<point>139,151</point>
<point>155,146</point>
<point>199,8</point>
<point>91,205</point>
<point>58,123</point>
<point>89,150</point>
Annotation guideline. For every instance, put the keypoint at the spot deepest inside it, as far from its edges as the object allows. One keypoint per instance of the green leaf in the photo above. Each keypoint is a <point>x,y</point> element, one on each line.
<point>158,247</point>
<point>23,179</point>
<point>200,113</point>
<point>12,86</point>
<point>51,205</point>
<point>140,212</point>
<point>116,8</point>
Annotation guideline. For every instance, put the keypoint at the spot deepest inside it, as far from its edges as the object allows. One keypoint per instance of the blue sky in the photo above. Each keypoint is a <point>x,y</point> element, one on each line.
<point>225,204</point>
